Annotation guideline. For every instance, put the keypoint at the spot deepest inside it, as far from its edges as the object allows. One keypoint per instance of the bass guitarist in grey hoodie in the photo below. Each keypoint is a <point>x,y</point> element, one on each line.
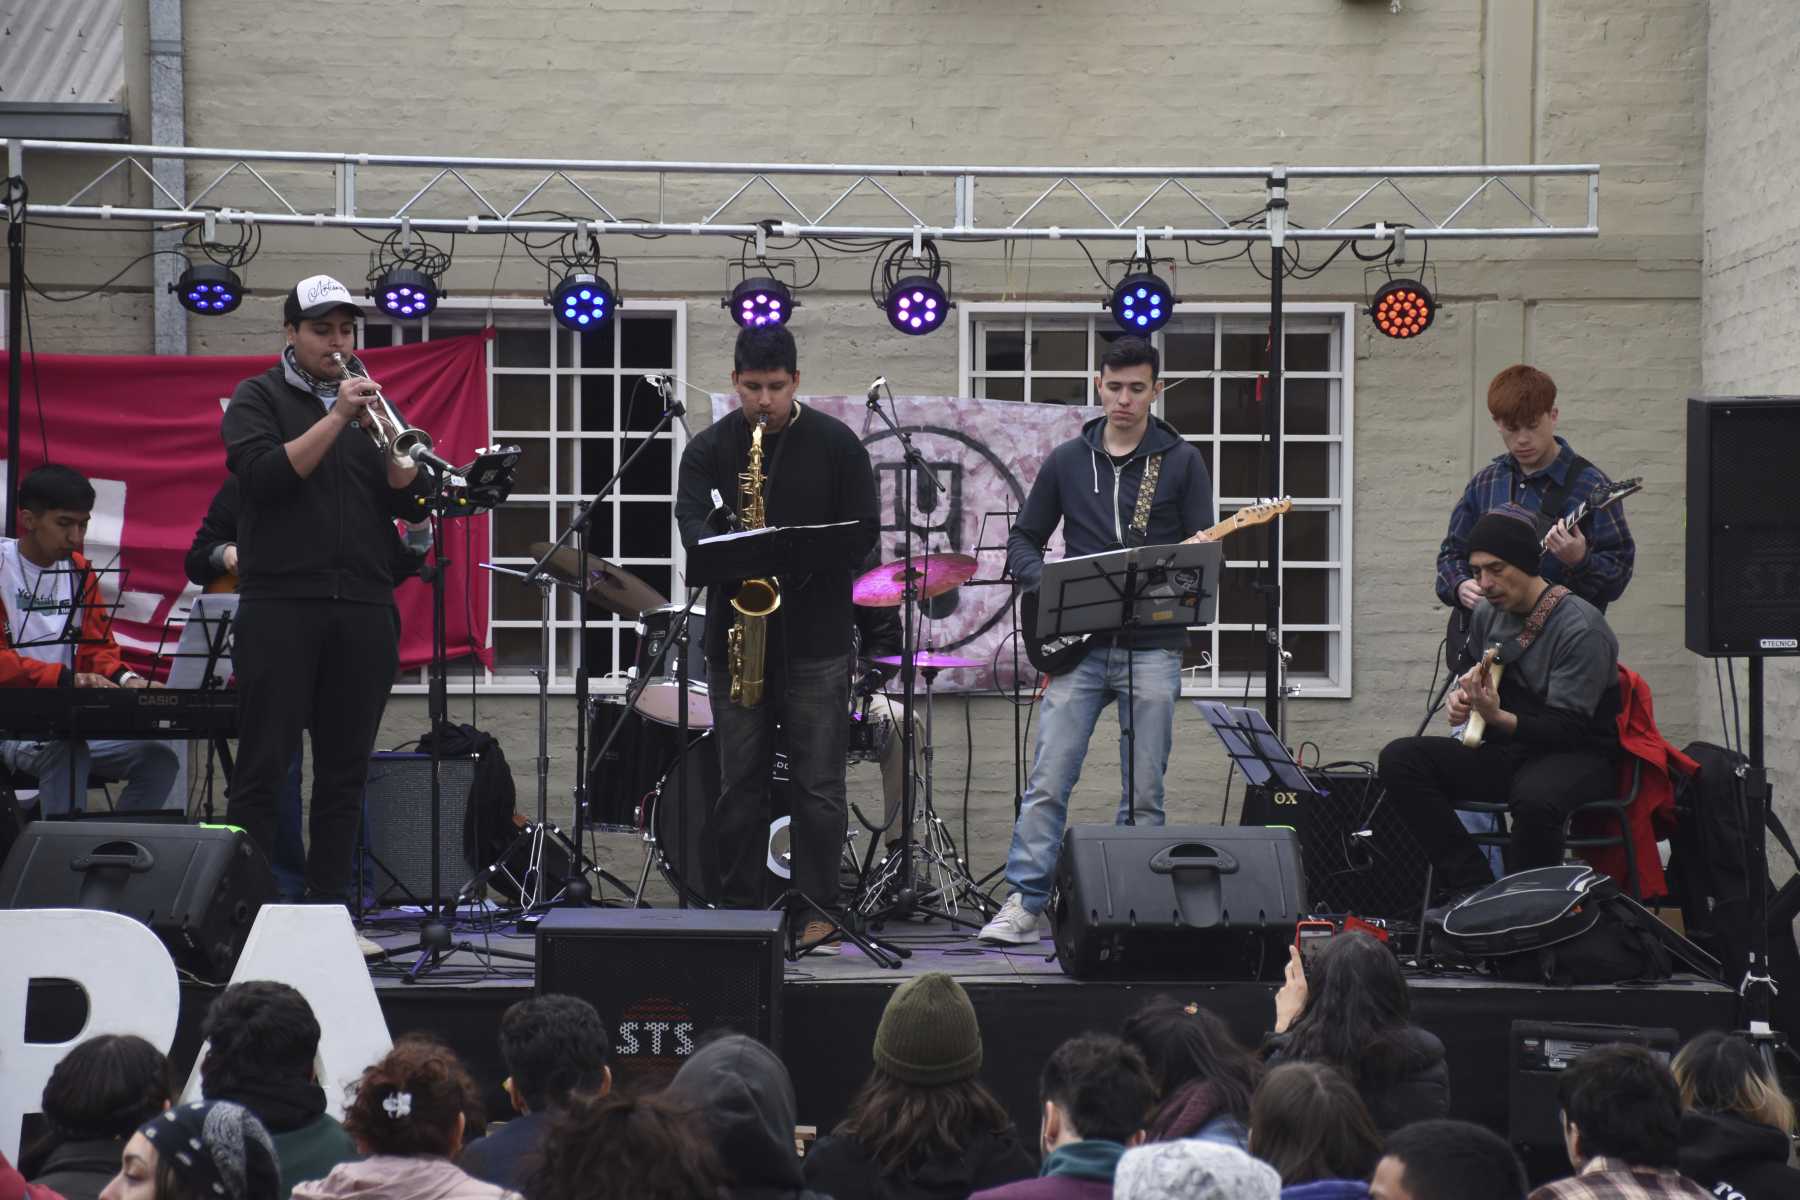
<point>1129,479</point>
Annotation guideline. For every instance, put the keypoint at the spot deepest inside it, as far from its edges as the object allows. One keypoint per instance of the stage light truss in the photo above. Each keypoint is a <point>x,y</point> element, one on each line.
<point>749,200</point>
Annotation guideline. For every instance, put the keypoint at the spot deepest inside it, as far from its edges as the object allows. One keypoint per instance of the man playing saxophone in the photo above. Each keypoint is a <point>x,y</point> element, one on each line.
<point>317,635</point>
<point>778,650</point>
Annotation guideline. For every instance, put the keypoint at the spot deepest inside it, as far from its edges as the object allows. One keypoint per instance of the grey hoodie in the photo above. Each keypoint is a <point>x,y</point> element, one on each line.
<point>1094,500</point>
<point>747,1099</point>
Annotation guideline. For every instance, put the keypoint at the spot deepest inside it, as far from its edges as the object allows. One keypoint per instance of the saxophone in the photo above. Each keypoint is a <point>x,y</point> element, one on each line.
<point>756,599</point>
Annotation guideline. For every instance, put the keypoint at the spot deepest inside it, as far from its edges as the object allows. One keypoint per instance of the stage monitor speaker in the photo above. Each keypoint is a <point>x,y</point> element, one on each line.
<point>396,846</point>
<point>1743,526</point>
<point>665,978</point>
<point>198,888</point>
<point>1540,1051</point>
<point>1360,855</point>
<point>1177,901</point>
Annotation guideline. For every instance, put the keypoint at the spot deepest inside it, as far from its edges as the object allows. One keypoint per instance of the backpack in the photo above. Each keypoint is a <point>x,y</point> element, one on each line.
<point>1561,926</point>
<point>488,827</point>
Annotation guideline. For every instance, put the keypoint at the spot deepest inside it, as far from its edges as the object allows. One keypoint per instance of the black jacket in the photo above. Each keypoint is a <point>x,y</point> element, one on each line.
<point>1732,1156</point>
<point>220,528</point>
<point>328,536</point>
<point>508,1155</point>
<point>840,1165</point>
<point>81,1170</point>
<point>747,1100</point>
<point>1094,501</point>
<point>816,472</point>
<point>1402,1076</point>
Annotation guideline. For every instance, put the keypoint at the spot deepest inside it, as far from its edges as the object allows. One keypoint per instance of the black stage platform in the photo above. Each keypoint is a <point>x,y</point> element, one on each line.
<point>831,1005</point>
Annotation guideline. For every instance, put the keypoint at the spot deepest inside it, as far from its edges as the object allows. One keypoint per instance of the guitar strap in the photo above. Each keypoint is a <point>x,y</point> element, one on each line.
<point>1540,614</point>
<point>1140,518</point>
<point>1556,497</point>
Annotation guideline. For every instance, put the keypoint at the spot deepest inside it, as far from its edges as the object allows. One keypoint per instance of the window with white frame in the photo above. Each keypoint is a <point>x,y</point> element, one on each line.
<point>1213,356</point>
<point>578,406</point>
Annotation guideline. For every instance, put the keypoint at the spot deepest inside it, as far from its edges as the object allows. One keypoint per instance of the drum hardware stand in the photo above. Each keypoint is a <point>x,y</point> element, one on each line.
<point>576,890</point>
<point>678,639</point>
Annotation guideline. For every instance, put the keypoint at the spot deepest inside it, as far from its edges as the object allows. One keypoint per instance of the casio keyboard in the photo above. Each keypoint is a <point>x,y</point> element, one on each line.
<point>81,712</point>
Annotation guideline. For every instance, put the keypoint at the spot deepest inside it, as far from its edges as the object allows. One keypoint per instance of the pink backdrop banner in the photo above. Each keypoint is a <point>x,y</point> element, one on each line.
<point>986,454</point>
<point>145,430</point>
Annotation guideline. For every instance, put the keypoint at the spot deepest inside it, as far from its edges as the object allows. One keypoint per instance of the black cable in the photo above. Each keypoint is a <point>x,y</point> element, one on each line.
<point>37,390</point>
<point>1737,723</point>
<point>95,291</point>
<point>968,764</point>
<point>1724,721</point>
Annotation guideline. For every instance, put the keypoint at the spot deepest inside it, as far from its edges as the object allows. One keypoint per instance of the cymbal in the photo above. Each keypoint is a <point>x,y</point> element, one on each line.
<point>609,585</point>
<point>935,574</point>
<point>929,660</point>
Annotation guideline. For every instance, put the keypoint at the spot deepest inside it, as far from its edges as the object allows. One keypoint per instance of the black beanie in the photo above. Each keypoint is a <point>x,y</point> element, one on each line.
<point>1510,534</point>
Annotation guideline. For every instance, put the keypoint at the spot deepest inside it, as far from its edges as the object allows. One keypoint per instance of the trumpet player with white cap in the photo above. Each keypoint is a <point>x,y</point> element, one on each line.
<point>317,634</point>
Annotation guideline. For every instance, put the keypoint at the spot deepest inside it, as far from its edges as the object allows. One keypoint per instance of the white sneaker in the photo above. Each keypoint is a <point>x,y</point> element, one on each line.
<point>1012,925</point>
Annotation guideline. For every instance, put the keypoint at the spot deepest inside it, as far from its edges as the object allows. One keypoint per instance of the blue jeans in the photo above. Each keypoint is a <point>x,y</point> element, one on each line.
<point>148,768</point>
<point>1066,718</point>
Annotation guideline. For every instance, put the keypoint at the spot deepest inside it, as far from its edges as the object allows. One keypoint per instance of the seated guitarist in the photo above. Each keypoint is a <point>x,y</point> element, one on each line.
<point>57,632</point>
<point>1092,486</point>
<point>1551,723</point>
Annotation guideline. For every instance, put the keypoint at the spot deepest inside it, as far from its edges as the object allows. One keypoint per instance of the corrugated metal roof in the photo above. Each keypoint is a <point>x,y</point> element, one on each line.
<point>68,51</point>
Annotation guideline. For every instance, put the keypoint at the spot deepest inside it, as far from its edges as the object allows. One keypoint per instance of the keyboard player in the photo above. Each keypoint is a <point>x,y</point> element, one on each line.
<point>57,633</point>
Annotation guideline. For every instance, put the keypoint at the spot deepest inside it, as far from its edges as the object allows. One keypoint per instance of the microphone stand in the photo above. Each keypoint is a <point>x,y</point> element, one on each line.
<point>576,891</point>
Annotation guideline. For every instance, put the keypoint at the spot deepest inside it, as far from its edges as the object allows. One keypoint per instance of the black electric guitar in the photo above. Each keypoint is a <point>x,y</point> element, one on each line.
<point>1058,655</point>
<point>1457,632</point>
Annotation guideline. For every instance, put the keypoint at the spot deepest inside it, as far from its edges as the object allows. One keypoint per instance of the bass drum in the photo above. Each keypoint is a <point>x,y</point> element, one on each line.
<point>680,809</point>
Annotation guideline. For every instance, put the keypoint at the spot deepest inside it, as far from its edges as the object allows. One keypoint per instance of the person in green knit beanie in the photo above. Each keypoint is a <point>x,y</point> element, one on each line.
<point>923,1126</point>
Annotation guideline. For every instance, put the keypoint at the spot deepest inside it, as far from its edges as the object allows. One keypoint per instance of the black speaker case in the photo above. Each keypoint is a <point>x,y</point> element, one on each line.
<point>1177,901</point>
<point>648,967</point>
<point>1382,875</point>
<point>1743,554</point>
<point>197,887</point>
<point>393,851</point>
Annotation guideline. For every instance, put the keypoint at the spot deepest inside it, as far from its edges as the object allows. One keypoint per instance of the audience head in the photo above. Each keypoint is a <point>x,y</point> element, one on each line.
<point>258,1033</point>
<point>105,1088</point>
<point>1309,1124</point>
<point>1722,1073</point>
<point>626,1148</point>
<point>1185,1043</point>
<point>1619,1102</point>
<point>412,1101</point>
<point>1094,1088</point>
<point>210,1150</point>
<point>746,1100</point>
<point>1447,1160</point>
<point>553,1046</point>
<point>1355,996</point>
<point>922,1097</point>
<point>1187,1169</point>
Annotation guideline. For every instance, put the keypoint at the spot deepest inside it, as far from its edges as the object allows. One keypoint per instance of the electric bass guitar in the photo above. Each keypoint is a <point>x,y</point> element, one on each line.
<point>1457,632</point>
<point>1475,728</point>
<point>1059,655</point>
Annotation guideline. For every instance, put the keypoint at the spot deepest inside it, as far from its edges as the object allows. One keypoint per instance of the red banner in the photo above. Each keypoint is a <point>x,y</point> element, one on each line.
<point>146,432</point>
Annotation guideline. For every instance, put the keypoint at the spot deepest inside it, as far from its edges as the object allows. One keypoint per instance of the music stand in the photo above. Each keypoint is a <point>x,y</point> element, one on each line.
<point>70,633</point>
<point>1122,591</point>
<point>1253,746</point>
<point>201,660</point>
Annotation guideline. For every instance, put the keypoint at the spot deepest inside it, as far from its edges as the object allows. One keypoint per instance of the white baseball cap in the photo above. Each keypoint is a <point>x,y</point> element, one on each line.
<point>315,296</point>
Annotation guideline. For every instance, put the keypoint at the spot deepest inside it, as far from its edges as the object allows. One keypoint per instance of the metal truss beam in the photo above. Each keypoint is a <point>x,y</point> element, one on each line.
<point>492,195</point>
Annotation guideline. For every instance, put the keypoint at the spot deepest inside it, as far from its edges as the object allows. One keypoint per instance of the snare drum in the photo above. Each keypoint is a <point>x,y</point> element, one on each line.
<point>661,698</point>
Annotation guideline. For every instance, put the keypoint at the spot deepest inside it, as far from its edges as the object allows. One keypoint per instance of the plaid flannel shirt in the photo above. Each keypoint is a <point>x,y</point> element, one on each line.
<point>1600,578</point>
<point>1607,1179</point>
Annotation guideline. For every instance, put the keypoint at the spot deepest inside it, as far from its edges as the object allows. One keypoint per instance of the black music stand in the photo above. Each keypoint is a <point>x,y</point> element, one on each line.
<point>1123,591</point>
<point>70,635</point>
<point>202,660</point>
<point>1253,746</point>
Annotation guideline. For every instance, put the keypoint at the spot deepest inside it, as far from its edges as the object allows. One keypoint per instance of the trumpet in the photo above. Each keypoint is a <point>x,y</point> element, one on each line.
<point>405,445</point>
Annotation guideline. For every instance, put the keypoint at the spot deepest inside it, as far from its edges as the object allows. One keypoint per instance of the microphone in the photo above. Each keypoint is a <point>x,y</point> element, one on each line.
<point>875,389</point>
<point>731,518</point>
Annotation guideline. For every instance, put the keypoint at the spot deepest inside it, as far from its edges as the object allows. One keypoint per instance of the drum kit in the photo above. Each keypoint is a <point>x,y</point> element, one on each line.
<point>634,771</point>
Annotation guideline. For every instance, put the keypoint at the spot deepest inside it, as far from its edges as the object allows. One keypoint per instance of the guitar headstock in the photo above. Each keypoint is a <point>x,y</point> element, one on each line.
<point>1614,492</point>
<point>1260,513</point>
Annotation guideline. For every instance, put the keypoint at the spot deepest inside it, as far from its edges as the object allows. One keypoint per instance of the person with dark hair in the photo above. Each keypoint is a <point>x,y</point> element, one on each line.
<point>627,1148</point>
<point>1095,1092</point>
<point>56,631</point>
<point>745,1101</point>
<point>1621,1121</point>
<point>922,1127</point>
<point>1737,1125</point>
<point>1354,1013</point>
<point>96,1098</point>
<point>408,1115</point>
<point>1551,735</point>
<point>1129,479</point>
<point>209,1150</point>
<point>261,1044</point>
<point>555,1047</point>
<point>1204,1079</point>
<point>1447,1160</point>
<point>814,471</point>
<point>1310,1125</point>
<point>317,634</point>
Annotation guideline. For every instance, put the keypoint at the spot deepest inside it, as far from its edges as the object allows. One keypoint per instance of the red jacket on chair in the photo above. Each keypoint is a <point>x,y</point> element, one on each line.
<point>1652,814</point>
